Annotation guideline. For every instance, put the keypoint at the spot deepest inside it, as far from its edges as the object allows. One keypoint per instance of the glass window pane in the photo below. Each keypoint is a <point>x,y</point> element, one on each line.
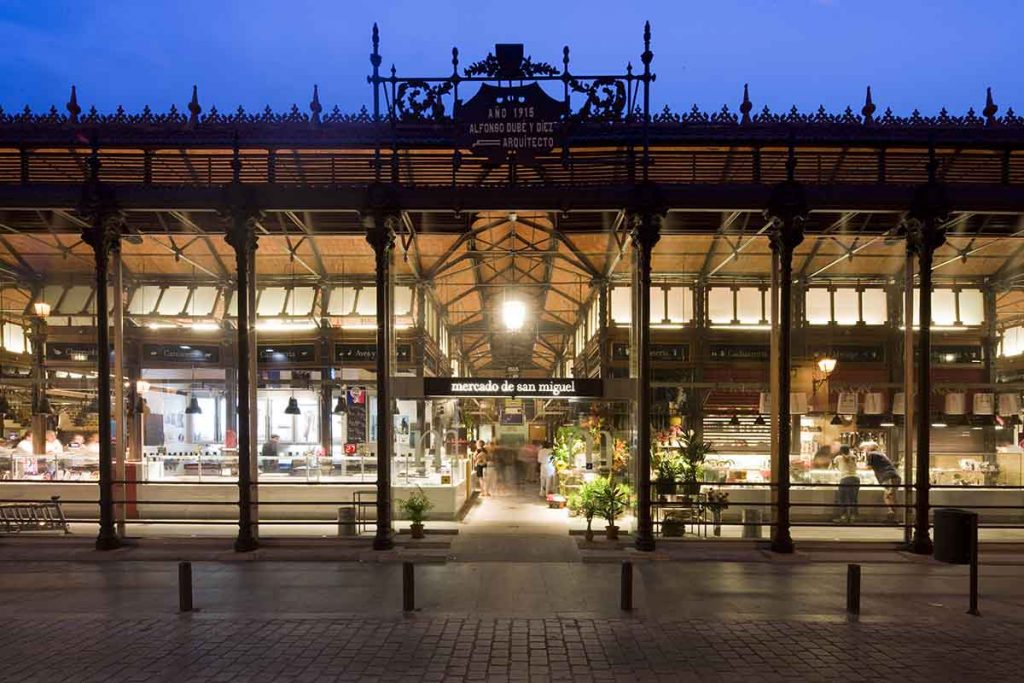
<point>75,300</point>
<point>51,294</point>
<point>748,305</point>
<point>403,300</point>
<point>231,305</point>
<point>657,305</point>
<point>622,305</point>
<point>680,304</point>
<point>972,307</point>
<point>818,303</point>
<point>875,308</point>
<point>300,301</point>
<point>271,301</point>
<point>367,301</point>
<point>172,301</point>
<point>144,299</point>
<point>343,301</point>
<point>14,338</point>
<point>847,304</point>
<point>203,301</point>
<point>720,309</point>
<point>943,307</point>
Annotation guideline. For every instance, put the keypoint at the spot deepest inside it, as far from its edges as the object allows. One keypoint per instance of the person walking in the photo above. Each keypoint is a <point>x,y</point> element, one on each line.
<point>480,468</point>
<point>849,486</point>
<point>547,469</point>
<point>887,476</point>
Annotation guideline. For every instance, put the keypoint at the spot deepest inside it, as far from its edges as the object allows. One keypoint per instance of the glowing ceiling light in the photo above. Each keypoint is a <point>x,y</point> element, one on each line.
<point>513,314</point>
<point>205,327</point>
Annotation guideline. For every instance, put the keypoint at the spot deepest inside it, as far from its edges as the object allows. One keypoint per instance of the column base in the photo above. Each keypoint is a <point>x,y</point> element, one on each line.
<point>246,543</point>
<point>383,542</point>
<point>108,541</point>
<point>782,543</point>
<point>921,544</point>
<point>644,543</point>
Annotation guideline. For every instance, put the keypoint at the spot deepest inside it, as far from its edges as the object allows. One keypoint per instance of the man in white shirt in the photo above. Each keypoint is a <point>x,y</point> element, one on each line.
<point>53,446</point>
<point>547,468</point>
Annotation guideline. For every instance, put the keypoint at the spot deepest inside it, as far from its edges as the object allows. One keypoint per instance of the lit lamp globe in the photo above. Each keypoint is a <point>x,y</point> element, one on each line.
<point>513,314</point>
<point>42,309</point>
<point>827,365</point>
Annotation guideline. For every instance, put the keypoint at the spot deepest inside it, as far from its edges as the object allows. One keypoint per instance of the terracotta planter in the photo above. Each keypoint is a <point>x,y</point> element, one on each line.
<point>611,532</point>
<point>417,530</point>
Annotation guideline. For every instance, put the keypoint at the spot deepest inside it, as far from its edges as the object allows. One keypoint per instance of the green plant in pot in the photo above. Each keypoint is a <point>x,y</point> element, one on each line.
<point>668,470</point>
<point>415,508</point>
<point>612,500</point>
<point>585,504</point>
<point>694,452</point>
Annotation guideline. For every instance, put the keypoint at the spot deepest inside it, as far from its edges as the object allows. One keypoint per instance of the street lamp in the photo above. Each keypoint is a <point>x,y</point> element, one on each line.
<point>826,366</point>
<point>42,309</point>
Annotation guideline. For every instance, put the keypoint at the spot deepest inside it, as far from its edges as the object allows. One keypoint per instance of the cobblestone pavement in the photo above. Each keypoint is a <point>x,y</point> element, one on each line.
<point>201,648</point>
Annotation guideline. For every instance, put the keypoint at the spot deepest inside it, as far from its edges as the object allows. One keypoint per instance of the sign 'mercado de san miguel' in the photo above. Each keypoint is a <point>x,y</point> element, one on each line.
<point>505,122</point>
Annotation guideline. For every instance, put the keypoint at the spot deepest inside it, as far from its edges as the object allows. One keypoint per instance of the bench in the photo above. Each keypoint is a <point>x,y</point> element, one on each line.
<point>33,516</point>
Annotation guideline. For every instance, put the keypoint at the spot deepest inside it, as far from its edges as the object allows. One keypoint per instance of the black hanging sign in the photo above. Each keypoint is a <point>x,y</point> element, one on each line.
<point>510,122</point>
<point>181,353</point>
<point>71,352</point>
<point>738,352</point>
<point>555,387</point>
<point>367,353</point>
<point>287,353</point>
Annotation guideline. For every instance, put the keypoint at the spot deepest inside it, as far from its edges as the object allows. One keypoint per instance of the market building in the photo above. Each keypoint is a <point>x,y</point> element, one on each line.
<point>512,251</point>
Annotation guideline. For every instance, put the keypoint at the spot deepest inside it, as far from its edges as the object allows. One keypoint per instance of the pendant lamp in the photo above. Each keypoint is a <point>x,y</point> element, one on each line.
<point>734,421</point>
<point>193,407</point>
<point>836,420</point>
<point>293,407</point>
<point>759,420</point>
<point>341,407</point>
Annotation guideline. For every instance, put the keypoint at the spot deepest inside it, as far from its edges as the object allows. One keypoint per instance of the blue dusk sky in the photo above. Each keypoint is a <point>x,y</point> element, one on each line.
<point>914,53</point>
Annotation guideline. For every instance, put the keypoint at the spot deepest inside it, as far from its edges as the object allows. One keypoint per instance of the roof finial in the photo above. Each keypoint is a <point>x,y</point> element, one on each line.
<point>746,105</point>
<point>194,108</point>
<point>72,106</point>
<point>868,110</point>
<point>990,108</point>
<point>315,107</point>
<point>455,61</point>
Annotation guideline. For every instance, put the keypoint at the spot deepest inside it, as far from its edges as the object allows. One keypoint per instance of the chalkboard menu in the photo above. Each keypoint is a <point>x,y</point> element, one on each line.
<point>356,422</point>
<point>71,352</point>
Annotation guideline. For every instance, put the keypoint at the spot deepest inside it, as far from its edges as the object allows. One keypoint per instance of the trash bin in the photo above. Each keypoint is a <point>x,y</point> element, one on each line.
<point>953,531</point>
<point>752,523</point>
<point>347,521</point>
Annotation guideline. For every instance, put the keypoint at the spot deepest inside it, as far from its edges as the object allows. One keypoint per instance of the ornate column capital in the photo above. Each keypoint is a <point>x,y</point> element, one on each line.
<point>787,210</point>
<point>645,229</point>
<point>106,220</point>
<point>241,233</point>
<point>380,234</point>
<point>923,226</point>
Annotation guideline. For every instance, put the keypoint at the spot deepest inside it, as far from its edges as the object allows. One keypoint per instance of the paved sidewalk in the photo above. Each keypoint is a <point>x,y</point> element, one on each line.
<point>313,621</point>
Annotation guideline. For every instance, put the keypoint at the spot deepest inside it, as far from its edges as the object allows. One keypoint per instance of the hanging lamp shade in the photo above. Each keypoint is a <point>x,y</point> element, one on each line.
<point>341,407</point>
<point>193,407</point>
<point>734,421</point>
<point>759,420</point>
<point>293,407</point>
<point>836,420</point>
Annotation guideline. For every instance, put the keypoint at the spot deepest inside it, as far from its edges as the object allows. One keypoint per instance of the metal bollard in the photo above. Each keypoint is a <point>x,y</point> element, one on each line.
<point>974,568</point>
<point>626,587</point>
<point>853,589</point>
<point>184,586</point>
<point>408,587</point>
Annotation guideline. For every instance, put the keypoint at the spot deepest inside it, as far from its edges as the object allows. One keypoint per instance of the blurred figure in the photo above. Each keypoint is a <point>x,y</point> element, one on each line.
<point>545,458</point>
<point>480,468</point>
<point>849,486</point>
<point>886,475</point>
<point>92,444</point>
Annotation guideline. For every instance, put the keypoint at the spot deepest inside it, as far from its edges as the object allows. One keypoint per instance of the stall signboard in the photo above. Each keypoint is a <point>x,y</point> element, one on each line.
<point>874,403</point>
<point>850,354</point>
<point>659,352</point>
<point>367,353</point>
<point>1009,404</point>
<point>738,351</point>
<point>899,403</point>
<point>951,355</point>
<point>193,354</point>
<point>798,404</point>
<point>476,387</point>
<point>71,352</point>
<point>505,122</point>
<point>286,353</point>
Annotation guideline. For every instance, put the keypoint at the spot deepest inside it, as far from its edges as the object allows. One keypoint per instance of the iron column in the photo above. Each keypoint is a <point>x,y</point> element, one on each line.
<point>241,235</point>
<point>381,236</point>
<point>645,234</point>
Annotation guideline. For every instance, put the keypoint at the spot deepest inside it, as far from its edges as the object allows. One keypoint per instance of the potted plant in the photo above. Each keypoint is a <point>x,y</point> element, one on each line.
<point>415,507</point>
<point>694,452</point>
<point>673,525</point>
<point>584,503</point>
<point>668,469</point>
<point>612,501</point>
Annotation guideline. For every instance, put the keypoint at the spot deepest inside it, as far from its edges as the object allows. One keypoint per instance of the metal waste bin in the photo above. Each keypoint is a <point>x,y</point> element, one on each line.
<point>953,531</point>
<point>752,523</point>
<point>347,521</point>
